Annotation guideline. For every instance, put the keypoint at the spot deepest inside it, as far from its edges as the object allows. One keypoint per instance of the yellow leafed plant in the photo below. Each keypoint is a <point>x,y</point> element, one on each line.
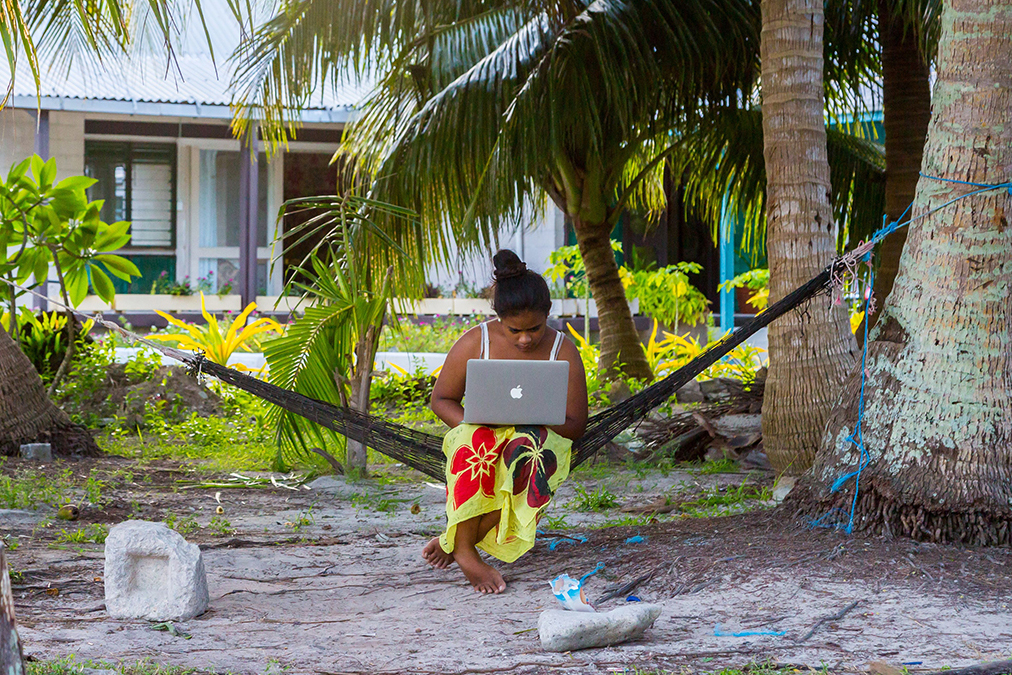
<point>209,339</point>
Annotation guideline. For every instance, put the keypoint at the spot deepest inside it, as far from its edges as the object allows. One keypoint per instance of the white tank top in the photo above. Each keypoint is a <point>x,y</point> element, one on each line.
<point>484,343</point>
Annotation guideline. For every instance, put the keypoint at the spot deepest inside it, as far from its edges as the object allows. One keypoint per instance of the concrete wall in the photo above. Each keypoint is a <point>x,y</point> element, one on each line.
<point>17,137</point>
<point>66,143</point>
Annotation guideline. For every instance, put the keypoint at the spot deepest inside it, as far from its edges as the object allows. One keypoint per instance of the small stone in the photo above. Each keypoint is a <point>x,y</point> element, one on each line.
<point>40,452</point>
<point>152,573</point>
<point>783,487</point>
<point>690,393</point>
<point>564,631</point>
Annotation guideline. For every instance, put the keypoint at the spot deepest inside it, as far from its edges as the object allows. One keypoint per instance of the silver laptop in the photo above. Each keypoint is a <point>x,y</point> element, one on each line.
<point>503,391</point>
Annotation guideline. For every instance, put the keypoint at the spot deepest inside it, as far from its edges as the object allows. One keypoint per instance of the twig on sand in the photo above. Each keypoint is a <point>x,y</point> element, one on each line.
<point>993,668</point>
<point>628,587</point>
<point>835,617</point>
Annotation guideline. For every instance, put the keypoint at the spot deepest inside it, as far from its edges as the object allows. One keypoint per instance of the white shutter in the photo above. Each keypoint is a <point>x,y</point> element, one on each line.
<point>151,205</point>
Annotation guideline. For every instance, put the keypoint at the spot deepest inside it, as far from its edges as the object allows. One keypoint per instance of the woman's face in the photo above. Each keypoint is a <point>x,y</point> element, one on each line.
<point>525,330</point>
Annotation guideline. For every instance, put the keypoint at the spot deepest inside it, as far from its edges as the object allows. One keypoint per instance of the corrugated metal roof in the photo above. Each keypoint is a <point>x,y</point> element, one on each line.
<point>193,78</point>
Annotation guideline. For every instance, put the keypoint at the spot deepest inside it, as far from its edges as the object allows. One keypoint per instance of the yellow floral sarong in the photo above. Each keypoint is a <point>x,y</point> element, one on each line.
<point>515,470</point>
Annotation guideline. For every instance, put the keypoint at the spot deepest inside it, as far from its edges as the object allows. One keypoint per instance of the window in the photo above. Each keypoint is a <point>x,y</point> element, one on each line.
<point>138,183</point>
<point>218,250</point>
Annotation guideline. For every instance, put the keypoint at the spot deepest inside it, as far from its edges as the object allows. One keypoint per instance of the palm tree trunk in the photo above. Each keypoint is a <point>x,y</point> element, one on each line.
<point>936,420</point>
<point>621,349</point>
<point>26,413</point>
<point>906,95</point>
<point>11,659</point>
<point>811,351</point>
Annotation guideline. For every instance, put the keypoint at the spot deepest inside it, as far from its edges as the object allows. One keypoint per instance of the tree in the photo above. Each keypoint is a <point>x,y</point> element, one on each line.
<point>485,110</point>
<point>906,107</point>
<point>26,413</point>
<point>812,351</point>
<point>11,659</point>
<point>936,387</point>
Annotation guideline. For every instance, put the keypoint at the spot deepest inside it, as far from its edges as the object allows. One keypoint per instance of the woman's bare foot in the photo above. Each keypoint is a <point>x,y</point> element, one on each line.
<point>483,577</point>
<point>436,556</point>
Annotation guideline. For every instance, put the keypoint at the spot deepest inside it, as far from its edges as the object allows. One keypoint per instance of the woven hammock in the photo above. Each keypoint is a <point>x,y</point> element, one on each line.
<point>424,452</point>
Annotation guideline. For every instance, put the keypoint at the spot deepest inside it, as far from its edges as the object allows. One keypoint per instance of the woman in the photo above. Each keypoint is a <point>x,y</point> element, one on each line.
<point>500,479</point>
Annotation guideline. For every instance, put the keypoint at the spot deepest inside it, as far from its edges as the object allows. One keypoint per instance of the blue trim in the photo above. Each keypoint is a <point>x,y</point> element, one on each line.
<point>725,237</point>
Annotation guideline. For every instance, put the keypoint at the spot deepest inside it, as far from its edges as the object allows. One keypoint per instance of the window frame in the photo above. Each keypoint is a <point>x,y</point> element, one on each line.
<point>129,151</point>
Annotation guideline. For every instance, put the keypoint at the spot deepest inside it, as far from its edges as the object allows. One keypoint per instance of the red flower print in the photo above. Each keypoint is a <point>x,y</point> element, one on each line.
<point>474,466</point>
<point>532,463</point>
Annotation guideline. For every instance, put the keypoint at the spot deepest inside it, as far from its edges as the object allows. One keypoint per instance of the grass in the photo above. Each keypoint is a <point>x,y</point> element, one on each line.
<point>95,533</point>
<point>722,501</point>
<point>600,500</point>
<point>71,666</point>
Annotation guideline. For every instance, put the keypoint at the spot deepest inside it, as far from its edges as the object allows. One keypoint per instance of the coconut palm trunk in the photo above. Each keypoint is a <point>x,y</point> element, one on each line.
<point>936,422</point>
<point>621,349</point>
<point>26,413</point>
<point>811,351</point>
<point>906,99</point>
<point>11,658</point>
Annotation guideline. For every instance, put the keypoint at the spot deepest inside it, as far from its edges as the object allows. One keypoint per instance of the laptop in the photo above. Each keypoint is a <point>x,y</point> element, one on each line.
<point>504,391</point>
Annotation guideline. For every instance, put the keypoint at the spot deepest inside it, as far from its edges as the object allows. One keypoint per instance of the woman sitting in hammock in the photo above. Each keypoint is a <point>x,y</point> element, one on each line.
<point>500,479</point>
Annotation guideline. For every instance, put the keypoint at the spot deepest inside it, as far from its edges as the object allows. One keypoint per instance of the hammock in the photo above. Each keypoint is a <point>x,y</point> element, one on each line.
<point>424,452</point>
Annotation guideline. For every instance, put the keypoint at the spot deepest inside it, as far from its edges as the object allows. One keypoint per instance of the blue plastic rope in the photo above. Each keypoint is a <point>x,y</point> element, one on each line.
<point>856,436</point>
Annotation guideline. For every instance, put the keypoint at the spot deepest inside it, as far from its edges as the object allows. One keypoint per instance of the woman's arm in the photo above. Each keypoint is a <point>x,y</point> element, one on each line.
<point>449,389</point>
<point>576,401</point>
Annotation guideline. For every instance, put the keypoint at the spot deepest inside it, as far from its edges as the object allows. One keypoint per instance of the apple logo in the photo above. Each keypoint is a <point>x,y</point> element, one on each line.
<point>516,392</point>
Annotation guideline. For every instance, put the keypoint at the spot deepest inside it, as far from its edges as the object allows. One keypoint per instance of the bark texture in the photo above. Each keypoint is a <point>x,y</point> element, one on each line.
<point>11,659</point>
<point>811,351</point>
<point>906,96</point>
<point>26,413</point>
<point>938,397</point>
<point>621,348</point>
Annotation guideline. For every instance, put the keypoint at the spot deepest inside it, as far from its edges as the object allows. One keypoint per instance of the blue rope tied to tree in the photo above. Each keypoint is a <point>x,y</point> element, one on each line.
<point>856,438</point>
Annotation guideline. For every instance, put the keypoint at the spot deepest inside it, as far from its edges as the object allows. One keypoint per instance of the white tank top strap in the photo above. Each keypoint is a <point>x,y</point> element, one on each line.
<point>556,346</point>
<point>484,340</point>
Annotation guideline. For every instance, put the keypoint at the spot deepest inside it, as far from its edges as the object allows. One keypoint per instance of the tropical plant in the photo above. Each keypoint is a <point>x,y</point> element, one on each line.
<point>47,224</point>
<point>211,341</point>
<point>666,295</point>
<point>757,280</point>
<point>328,354</point>
<point>42,338</point>
<point>671,352</point>
<point>922,431</point>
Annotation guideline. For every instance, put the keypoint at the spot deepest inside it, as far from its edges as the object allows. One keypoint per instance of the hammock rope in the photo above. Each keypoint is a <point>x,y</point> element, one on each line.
<point>423,451</point>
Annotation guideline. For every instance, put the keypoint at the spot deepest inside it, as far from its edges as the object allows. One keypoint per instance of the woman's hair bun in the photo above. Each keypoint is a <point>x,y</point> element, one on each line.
<point>507,265</point>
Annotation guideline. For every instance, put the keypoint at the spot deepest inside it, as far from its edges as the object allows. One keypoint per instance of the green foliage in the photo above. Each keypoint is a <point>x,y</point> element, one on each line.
<point>43,339</point>
<point>46,224</point>
<point>71,666</point>
<point>599,500</point>
<point>722,501</point>
<point>94,533</point>
<point>220,527</point>
<point>183,526</point>
<point>435,337</point>
<point>394,389</point>
<point>667,296</point>
<point>758,280</point>
<point>333,345</point>
<point>664,294</point>
<point>24,489</point>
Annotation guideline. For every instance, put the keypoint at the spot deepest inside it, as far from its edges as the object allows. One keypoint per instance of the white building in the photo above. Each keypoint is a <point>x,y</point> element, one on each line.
<point>158,140</point>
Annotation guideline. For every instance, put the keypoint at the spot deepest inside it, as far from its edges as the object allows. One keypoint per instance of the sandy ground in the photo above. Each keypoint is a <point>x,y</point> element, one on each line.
<point>347,592</point>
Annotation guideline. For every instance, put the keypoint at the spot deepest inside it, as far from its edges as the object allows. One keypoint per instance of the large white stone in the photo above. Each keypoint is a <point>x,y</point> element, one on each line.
<point>152,573</point>
<point>564,631</point>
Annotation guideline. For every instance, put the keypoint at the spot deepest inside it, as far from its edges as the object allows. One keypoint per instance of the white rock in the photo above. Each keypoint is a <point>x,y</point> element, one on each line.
<point>42,452</point>
<point>563,631</point>
<point>152,573</point>
<point>783,487</point>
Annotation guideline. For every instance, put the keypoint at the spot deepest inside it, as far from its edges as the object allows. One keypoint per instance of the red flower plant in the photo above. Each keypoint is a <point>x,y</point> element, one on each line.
<point>534,464</point>
<point>474,466</point>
